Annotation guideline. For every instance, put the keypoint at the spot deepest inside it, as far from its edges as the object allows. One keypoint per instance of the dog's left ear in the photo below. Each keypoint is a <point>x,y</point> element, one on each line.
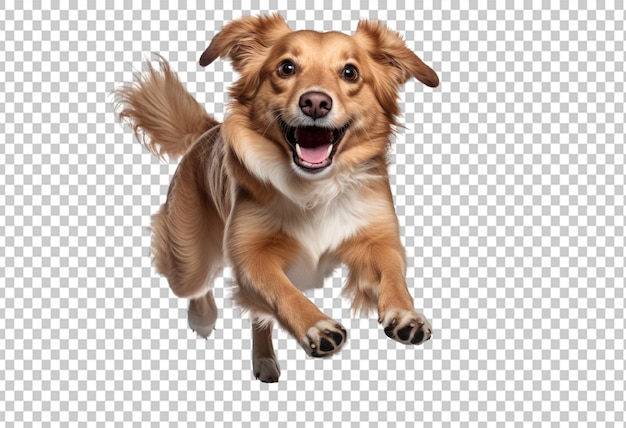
<point>387,48</point>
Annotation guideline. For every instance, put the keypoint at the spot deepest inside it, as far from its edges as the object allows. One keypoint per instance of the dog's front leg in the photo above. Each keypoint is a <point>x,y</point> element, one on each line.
<point>377,280</point>
<point>260,259</point>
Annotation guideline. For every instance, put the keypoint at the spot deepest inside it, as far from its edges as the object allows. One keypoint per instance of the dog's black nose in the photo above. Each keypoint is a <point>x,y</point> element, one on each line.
<point>315,104</point>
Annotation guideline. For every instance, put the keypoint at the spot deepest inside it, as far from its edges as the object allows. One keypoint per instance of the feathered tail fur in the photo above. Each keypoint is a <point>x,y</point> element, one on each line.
<point>165,118</point>
<point>187,232</point>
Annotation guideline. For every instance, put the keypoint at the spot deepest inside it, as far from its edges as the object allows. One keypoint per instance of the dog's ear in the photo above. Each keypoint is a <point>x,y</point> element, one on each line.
<point>245,39</point>
<point>387,48</point>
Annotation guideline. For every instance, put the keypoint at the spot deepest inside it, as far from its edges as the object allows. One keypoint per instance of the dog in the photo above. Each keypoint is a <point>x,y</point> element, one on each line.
<point>292,184</point>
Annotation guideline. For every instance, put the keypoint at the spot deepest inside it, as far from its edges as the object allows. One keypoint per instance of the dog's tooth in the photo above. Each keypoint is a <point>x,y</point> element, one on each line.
<point>330,150</point>
<point>299,151</point>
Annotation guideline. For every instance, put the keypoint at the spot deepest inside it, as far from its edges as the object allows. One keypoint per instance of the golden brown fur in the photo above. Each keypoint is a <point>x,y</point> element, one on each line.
<point>176,119</point>
<point>292,184</point>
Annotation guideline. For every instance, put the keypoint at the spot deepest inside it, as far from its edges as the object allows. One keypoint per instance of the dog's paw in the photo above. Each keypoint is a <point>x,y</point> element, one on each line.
<point>408,327</point>
<point>324,339</point>
<point>202,316</point>
<point>204,331</point>
<point>266,369</point>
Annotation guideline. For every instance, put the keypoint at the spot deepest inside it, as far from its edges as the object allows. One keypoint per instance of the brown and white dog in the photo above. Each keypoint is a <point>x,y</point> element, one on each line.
<point>292,184</point>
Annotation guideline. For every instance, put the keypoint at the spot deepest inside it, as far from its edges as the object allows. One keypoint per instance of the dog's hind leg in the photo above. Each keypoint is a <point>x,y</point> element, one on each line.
<point>264,362</point>
<point>188,233</point>
<point>203,314</point>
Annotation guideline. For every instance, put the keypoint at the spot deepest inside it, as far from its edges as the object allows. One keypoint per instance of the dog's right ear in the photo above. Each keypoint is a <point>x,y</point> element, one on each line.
<point>245,39</point>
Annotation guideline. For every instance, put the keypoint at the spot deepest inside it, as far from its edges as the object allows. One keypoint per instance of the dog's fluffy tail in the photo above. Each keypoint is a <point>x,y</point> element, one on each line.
<point>165,118</point>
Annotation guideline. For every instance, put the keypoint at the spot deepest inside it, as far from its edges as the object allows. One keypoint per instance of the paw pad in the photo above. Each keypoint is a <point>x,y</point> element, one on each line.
<point>406,327</point>
<point>324,339</point>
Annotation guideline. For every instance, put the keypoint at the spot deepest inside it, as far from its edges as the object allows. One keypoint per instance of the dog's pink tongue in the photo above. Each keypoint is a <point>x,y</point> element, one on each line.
<point>314,143</point>
<point>314,155</point>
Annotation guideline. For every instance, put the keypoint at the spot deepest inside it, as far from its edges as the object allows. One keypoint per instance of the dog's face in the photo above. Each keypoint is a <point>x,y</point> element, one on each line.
<point>316,96</point>
<point>327,101</point>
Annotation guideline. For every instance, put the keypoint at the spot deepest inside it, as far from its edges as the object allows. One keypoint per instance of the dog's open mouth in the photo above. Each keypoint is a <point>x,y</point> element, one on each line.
<point>313,147</point>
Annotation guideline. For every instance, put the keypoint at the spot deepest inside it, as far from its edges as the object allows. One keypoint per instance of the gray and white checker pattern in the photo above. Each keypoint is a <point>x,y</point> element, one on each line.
<point>509,183</point>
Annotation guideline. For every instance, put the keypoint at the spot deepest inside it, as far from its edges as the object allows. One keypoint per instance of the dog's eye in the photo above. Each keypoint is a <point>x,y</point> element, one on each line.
<point>350,73</point>
<point>286,69</point>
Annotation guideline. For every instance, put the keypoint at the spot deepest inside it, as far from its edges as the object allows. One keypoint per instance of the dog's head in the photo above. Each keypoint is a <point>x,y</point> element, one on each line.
<point>325,101</point>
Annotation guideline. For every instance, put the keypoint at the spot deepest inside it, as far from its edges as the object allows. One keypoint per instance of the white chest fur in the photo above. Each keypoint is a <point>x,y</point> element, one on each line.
<point>320,212</point>
<point>320,231</point>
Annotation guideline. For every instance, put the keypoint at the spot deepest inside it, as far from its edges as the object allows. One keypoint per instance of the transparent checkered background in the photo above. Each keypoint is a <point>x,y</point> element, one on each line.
<point>509,183</point>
